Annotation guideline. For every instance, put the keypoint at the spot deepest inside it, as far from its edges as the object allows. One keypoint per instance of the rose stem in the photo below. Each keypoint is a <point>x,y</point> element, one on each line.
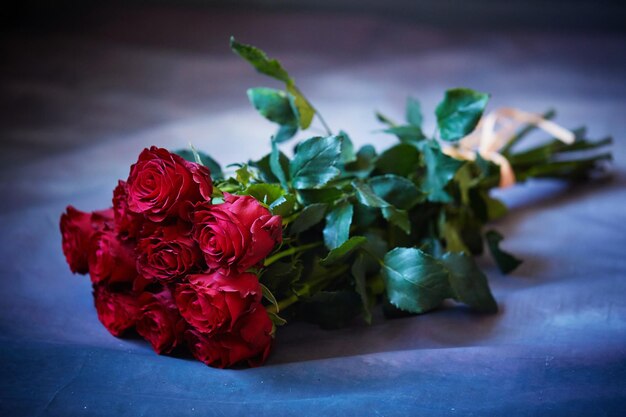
<point>316,284</point>
<point>288,252</point>
<point>319,115</point>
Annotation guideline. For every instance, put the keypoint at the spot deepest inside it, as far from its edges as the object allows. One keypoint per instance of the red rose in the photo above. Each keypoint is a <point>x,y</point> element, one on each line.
<point>163,184</point>
<point>127,223</point>
<point>117,311</point>
<point>111,259</point>
<point>237,234</point>
<point>77,229</point>
<point>160,322</point>
<point>141,283</point>
<point>168,252</point>
<point>215,302</point>
<point>250,341</point>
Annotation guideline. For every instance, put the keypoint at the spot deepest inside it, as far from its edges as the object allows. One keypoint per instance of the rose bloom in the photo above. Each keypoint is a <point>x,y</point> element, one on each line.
<point>140,284</point>
<point>160,322</point>
<point>236,234</point>
<point>162,184</point>
<point>77,229</point>
<point>215,302</point>
<point>117,311</point>
<point>250,341</point>
<point>111,259</point>
<point>127,223</point>
<point>168,252</point>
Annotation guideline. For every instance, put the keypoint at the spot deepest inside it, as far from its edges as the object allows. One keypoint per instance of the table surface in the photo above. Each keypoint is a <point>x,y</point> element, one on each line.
<point>79,102</point>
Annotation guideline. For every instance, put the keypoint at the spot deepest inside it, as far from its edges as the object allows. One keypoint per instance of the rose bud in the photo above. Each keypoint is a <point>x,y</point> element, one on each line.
<point>77,229</point>
<point>111,259</point>
<point>162,184</point>
<point>236,234</point>
<point>215,302</point>
<point>250,341</point>
<point>160,322</point>
<point>168,252</point>
<point>117,311</point>
<point>127,223</point>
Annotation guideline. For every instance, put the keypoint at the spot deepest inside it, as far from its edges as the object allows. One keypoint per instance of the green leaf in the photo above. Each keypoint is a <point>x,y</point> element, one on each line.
<point>364,216</point>
<point>402,160</point>
<point>363,164</point>
<point>229,185</point>
<point>399,191</point>
<point>280,276</point>
<point>265,193</point>
<point>397,217</point>
<point>284,133</point>
<point>459,113</point>
<point>276,319</point>
<point>358,271</point>
<point>347,148</point>
<point>505,261</point>
<point>392,312</point>
<point>273,104</point>
<point>486,207</point>
<point>283,206</point>
<point>545,153</point>
<point>468,283</point>
<point>267,294</point>
<point>340,253</point>
<point>309,217</point>
<point>376,246</point>
<point>466,181</point>
<point>305,110</point>
<point>243,175</point>
<point>462,230</point>
<point>384,119</point>
<point>259,60</point>
<point>407,133</point>
<point>276,166</point>
<point>366,196</point>
<point>206,160</point>
<point>413,112</point>
<point>451,233</point>
<point>323,195</point>
<point>264,169</point>
<point>338,221</point>
<point>440,169</point>
<point>487,168</point>
<point>416,282</point>
<point>332,309</point>
<point>495,208</point>
<point>314,162</point>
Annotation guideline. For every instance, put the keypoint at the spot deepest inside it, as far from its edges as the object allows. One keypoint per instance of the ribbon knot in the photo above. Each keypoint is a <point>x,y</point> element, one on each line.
<point>497,129</point>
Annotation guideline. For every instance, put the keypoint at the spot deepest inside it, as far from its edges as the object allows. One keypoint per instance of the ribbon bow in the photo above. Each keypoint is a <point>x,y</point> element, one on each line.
<point>495,130</point>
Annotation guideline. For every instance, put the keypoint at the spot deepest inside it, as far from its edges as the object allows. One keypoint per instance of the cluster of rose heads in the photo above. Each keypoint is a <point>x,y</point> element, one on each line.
<point>167,262</point>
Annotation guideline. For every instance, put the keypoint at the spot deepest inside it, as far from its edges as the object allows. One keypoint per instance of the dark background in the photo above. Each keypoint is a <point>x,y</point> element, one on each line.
<point>84,86</point>
<point>603,15</point>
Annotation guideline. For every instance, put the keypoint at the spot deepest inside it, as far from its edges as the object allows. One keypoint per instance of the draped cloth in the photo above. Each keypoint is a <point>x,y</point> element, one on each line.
<point>81,101</point>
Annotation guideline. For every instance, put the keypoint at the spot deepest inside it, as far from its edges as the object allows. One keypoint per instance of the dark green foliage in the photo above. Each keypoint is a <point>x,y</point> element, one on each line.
<point>399,227</point>
<point>505,261</point>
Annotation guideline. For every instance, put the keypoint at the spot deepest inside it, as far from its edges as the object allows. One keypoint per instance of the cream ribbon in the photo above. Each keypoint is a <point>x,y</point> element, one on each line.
<point>495,130</point>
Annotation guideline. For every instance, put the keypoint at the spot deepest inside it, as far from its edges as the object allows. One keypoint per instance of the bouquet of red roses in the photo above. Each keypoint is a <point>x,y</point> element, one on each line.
<point>167,261</point>
<point>190,257</point>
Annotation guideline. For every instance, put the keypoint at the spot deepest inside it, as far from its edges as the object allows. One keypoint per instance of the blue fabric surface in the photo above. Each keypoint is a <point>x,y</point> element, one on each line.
<point>79,106</point>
